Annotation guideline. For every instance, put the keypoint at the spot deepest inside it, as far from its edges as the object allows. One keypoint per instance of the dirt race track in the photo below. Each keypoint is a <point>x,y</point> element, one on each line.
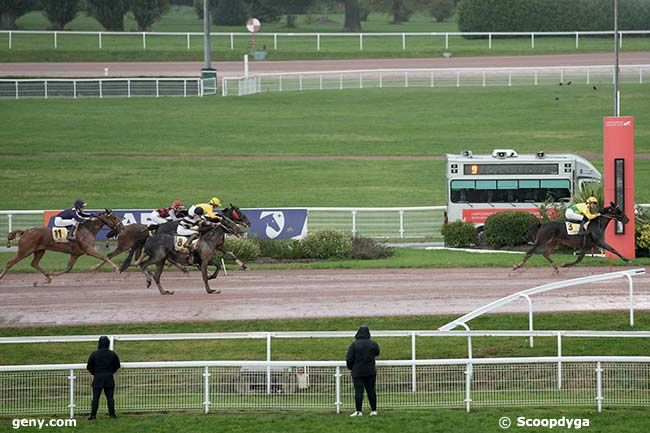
<point>108,298</point>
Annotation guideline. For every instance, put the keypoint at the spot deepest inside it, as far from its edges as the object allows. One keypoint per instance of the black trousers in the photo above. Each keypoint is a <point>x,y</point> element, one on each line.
<point>108,392</point>
<point>367,382</point>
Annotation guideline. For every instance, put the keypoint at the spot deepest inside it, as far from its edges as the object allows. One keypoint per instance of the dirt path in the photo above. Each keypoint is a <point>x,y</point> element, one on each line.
<point>105,298</point>
<point>231,69</point>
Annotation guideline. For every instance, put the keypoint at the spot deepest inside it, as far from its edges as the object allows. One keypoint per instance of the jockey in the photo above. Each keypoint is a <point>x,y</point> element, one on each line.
<point>582,212</point>
<point>209,208</point>
<point>165,214</point>
<point>189,225</point>
<point>72,217</point>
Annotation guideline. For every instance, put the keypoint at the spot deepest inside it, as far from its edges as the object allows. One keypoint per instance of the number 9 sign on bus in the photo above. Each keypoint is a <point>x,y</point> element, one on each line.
<point>481,185</point>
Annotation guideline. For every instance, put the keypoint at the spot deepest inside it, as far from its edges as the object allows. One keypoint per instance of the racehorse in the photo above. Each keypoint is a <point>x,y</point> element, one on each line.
<point>550,234</point>
<point>161,248</point>
<point>39,239</point>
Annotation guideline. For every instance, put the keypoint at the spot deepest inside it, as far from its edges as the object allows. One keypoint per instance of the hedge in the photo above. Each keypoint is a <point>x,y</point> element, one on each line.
<point>508,229</point>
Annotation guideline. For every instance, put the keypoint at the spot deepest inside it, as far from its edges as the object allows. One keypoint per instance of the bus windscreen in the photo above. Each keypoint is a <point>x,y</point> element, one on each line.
<point>498,169</point>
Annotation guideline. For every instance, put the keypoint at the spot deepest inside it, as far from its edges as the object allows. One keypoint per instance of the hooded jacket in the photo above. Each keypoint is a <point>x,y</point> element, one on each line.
<point>361,354</point>
<point>102,364</point>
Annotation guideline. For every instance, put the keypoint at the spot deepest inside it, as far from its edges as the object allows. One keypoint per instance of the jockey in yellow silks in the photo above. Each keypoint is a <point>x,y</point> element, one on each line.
<point>582,212</point>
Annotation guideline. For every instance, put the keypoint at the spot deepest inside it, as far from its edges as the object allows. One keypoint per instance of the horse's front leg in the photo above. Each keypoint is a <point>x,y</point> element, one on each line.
<point>547,256</point>
<point>204,273</point>
<point>71,263</point>
<point>528,255</point>
<point>611,249</point>
<point>234,257</point>
<point>578,260</point>
<point>94,253</point>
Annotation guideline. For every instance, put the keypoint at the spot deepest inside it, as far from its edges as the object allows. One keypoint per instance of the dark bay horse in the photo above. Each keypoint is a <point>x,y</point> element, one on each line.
<point>550,234</point>
<point>39,239</point>
<point>160,248</point>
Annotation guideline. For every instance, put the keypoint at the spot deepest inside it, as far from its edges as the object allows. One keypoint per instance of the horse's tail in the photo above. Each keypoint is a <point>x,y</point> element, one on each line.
<point>13,235</point>
<point>137,246</point>
<point>532,231</point>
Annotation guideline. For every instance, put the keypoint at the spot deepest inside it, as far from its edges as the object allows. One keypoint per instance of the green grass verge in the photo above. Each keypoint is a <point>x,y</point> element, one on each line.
<point>417,421</point>
<point>174,48</point>
<point>334,348</point>
<point>274,149</point>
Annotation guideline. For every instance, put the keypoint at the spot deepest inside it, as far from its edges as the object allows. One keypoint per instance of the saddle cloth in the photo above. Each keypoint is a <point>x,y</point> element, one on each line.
<point>60,234</point>
<point>180,244</point>
<point>572,228</point>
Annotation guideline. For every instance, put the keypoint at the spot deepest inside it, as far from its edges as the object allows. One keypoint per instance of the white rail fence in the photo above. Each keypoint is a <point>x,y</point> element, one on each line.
<point>105,87</point>
<point>240,40</point>
<point>326,385</point>
<point>429,78</point>
<point>405,222</point>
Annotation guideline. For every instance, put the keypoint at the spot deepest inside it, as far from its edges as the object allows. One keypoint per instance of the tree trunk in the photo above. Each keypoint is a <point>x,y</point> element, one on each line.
<point>352,18</point>
<point>291,21</point>
<point>8,20</point>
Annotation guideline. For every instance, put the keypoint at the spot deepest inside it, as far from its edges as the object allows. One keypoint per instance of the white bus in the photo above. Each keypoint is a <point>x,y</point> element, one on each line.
<point>481,185</point>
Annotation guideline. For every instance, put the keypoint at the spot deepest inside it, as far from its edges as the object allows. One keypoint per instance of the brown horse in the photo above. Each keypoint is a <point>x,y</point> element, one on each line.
<point>39,239</point>
<point>550,234</point>
<point>132,238</point>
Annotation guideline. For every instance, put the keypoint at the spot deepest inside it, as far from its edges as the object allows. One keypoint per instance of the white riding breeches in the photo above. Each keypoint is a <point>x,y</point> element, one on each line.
<point>185,232</point>
<point>573,216</point>
<point>60,222</point>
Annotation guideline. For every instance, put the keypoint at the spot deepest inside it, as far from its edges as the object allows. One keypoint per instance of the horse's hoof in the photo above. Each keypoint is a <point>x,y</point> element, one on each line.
<point>148,284</point>
<point>35,283</point>
<point>244,268</point>
<point>168,292</point>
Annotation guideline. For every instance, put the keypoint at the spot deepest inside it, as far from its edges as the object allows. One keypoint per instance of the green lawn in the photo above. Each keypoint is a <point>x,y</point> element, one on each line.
<point>434,421</point>
<point>329,148</point>
<point>169,48</point>
<point>334,348</point>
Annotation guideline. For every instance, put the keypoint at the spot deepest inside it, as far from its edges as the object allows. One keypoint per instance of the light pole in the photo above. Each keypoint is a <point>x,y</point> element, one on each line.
<point>207,71</point>
<point>617,84</point>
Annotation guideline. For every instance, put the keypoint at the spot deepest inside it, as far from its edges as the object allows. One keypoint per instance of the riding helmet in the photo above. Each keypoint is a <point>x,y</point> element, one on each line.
<point>78,204</point>
<point>215,201</point>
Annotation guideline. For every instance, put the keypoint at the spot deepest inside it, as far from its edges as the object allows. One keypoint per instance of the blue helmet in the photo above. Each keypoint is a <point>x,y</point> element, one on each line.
<point>78,204</point>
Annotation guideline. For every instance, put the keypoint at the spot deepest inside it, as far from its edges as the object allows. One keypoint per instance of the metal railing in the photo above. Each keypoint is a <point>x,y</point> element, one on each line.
<point>398,222</point>
<point>140,39</point>
<point>104,87</point>
<point>430,78</point>
<point>326,385</point>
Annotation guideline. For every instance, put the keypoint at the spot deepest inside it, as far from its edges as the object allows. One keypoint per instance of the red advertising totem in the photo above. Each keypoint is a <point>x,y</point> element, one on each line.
<point>618,133</point>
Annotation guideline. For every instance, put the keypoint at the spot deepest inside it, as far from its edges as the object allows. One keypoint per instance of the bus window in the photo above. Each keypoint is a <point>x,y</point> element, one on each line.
<point>509,191</point>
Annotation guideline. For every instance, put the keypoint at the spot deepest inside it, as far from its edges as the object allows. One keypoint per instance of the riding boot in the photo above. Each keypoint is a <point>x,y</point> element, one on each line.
<point>72,233</point>
<point>583,231</point>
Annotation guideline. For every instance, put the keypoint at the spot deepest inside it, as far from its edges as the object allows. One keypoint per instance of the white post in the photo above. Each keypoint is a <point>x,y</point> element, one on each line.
<point>111,342</point>
<point>401,223</point>
<point>354,222</point>
<point>341,82</point>
<point>468,385</point>
<point>206,389</point>
<point>535,77</point>
<point>446,40</point>
<point>509,79</point>
<point>10,217</point>
<point>361,41</point>
<point>280,83</point>
<point>620,39</point>
<point>320,80</point>
<point>71,380</point>
<point>532,40</point>
<point>223,266</point>
<point>275,41</point>
<point>100,40</point>
<point>129,87</point>
<point>268,366</point>
<point>413,357</point>
<point>157,88</point>
<point>403,41</point>
<point>144,41</point>
<point>381,80</point>
<point>56,42</point>
<point>318,42</point>
<point>432,83</point>
<point>232,42</point>
<point>457,79</point>
<point>530,319</point>
<point>599,386</point>
<point>483,78</point>
<point>246,65</point>
<point>185,88</point>
<point>338,389</point>
<point>577,41</point>
<point>74,88</point>
<point>300,81</point>
<point>10,39</point>
<point>640,75</point>
<point>188,41</point>
<point>561,75</point>
<point>559,361</point>
<point>588,76</point>
<point>45,88</point>
<point>490,41</point>
<point>101,90</point>
<point>406,79</point>
<point>631,286</point>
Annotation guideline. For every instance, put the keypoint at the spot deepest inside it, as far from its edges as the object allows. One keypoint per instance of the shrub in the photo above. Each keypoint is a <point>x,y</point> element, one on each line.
<point>442,9</point>
<point>459,234</point>
<point>508,229</point>
<point>364,248</point>
<point>327,244</point>
<point>281,249</point>
<point>244,249</point>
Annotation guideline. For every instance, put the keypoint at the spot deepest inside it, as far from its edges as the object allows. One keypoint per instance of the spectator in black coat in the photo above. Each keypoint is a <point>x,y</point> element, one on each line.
<point>361,361</point>
<point>102,364</point>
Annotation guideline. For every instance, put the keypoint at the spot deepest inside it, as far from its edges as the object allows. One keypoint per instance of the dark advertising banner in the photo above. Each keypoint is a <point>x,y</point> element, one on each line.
<point>265,223</point>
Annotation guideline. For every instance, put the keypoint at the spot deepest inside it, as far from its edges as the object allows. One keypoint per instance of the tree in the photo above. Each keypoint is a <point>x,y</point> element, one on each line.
<point>291,8</point>
<point>60,12</point>
<point>11,10</point>
<point>442,9</point>
<point>147,12</point>
<point>264,10</point>
<point>352,18</point>
<point>109,13</point>
<point>229,13</point>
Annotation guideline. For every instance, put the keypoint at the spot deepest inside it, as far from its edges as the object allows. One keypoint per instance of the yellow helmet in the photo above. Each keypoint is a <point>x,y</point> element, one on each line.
<point>592,200</point>
<point>215,201</point>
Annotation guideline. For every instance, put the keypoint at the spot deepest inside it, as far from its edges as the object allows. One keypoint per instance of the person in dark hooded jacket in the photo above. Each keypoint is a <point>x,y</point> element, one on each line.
<point>102,364</point>
<point>361,361</point>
